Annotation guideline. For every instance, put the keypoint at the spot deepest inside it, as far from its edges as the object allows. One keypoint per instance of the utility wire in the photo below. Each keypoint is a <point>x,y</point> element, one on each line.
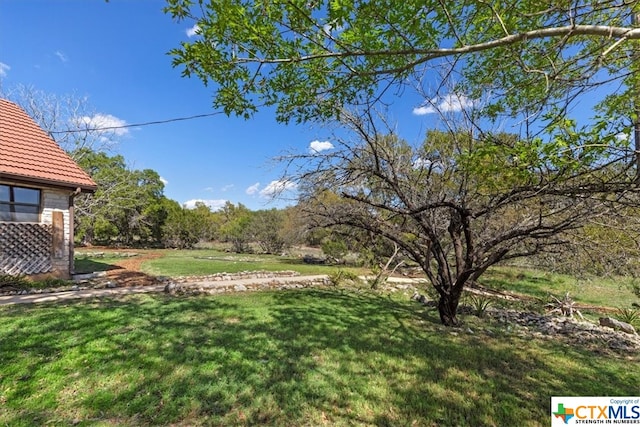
<point>157,122</point>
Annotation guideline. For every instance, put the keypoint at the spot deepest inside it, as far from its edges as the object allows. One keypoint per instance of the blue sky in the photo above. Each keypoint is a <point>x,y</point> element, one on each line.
<point>115,53</point>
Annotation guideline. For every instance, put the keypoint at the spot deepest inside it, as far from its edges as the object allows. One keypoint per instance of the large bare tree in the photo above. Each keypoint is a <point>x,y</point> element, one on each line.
<point>461,201</point>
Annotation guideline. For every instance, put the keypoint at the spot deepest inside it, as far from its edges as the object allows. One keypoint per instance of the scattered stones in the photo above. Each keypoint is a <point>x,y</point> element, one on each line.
<point>88,276</point>
<point>571,330</point>
<point>609,334</point>
<point>191,288</point>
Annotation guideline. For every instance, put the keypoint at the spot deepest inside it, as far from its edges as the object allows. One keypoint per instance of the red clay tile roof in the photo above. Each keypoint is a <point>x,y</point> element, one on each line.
<point>27,153</point>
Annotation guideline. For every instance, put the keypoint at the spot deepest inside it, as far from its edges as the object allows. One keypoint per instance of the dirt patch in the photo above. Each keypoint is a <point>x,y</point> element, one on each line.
<point>127,271</point>
<point>134,263</point>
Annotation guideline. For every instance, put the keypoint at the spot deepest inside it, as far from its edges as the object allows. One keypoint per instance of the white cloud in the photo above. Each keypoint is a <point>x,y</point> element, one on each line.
<point>623,137</point>
<point>214,205</point>
<point>105,122</point>
<point>227,187</point>
<point>61,56</point>
<point>449,103</point>
<point>330,28</point>
<point>421,163</point>
<point>3,69</point>
<point>253,189</point>
<point>277,187</point>
<point>318,146</point>
<point>193,31</point>
<point>164,181</point>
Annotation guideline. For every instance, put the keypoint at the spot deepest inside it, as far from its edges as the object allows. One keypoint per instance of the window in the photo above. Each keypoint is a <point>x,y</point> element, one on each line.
<point>19,204</point>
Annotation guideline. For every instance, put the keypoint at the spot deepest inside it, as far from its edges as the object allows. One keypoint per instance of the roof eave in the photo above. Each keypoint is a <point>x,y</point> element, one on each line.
<point>85,188</point>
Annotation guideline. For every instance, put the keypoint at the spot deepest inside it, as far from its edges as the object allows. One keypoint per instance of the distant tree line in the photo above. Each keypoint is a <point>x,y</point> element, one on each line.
<point>129,208</point>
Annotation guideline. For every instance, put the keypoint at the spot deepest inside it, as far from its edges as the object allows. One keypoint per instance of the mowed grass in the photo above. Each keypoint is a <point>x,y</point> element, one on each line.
<point>592,290</point>
<point>309,357</point>
<point>207,261</point>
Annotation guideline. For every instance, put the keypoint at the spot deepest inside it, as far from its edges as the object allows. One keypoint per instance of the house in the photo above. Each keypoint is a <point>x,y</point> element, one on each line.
<point>38,182</point>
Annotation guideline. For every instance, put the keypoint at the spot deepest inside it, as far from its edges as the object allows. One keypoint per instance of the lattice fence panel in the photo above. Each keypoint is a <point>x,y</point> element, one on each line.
<point>25,248</point>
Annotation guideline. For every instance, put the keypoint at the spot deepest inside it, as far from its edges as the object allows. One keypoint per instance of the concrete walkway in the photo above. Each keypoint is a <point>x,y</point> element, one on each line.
<point>111,292</point>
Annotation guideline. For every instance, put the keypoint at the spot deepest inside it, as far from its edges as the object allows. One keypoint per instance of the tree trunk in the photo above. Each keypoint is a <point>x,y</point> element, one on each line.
<point>448,308</point>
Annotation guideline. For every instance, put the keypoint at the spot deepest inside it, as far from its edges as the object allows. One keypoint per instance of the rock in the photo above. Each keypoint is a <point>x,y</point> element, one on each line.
<point>239,288</point>
<point>111,285</point>
<point>422,299</point>
<point>617,325</point>
<point>310,259</point>
<point>171,287</point>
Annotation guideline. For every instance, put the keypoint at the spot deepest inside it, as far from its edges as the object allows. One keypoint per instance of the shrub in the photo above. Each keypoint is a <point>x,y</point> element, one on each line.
<point>339,277</point>
<point>628,315</point>
<point>479,304</point>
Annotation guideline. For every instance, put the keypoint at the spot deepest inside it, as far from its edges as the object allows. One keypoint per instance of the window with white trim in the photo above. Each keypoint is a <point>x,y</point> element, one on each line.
<point>19,204</point>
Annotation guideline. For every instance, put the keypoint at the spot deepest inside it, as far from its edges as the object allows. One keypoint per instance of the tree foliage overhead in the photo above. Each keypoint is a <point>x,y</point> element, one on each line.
<point>311,58</point>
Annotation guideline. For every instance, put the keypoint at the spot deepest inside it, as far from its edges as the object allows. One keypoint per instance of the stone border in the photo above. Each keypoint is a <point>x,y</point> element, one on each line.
<point>570,329</point>
<point>245,285</point>
<point>100,280</point>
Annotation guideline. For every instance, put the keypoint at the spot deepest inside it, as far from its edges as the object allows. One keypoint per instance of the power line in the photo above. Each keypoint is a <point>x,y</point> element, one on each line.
<point>156,122</point>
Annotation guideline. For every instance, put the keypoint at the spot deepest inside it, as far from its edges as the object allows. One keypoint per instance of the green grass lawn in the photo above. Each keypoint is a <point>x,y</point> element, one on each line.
<point>202,262</point>
<point>599,291</point>
<point>307,357</point>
